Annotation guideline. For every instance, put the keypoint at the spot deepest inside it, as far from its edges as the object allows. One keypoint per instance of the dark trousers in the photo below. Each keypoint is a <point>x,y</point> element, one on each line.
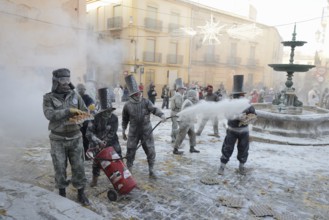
<point>85,141</point>
<point>228,146</point>
<point>165,102</point>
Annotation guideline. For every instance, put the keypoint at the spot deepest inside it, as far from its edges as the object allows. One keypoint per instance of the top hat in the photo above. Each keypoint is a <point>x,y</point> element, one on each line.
<point>105,100</point>
<point>131,85</point>
<point>179,84</point>
<point>238,85</point>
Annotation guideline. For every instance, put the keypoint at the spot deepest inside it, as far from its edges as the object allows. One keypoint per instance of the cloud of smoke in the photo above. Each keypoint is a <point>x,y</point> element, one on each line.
<point>37,38</point>
<point>222,110</point>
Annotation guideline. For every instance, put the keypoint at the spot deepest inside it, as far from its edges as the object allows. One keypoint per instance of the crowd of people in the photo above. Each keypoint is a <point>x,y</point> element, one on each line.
<point>69,142</point>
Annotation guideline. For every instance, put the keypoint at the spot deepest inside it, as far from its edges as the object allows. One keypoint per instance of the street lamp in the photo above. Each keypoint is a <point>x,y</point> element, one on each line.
<point>135,59</point>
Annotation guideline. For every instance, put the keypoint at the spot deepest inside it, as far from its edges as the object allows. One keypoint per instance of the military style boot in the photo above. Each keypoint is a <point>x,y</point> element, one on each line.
<point>242,169</point>
<point>221,169</point>
<point>62,192</point>
<point>129,166</point>
<point>151,171</point>
<point>82,198</point>
<point>177,152</point>
<point>193,150</point>
<point>94,181</point>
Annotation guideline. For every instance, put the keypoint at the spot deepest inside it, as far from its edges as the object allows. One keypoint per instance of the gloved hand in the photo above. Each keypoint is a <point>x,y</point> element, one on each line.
<point>76,111</point>
<point>163,118</point>
<point>124,136</point>
<point>242,116</point>
<point>92,107</point>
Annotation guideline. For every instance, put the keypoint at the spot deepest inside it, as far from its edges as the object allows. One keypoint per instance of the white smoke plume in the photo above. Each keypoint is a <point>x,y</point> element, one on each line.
<point>223,109</point>
<point>37,38</point>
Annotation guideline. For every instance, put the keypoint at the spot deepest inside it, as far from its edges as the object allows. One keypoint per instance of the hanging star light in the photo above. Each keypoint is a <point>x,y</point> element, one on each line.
<point>245,31</point>
<point>211,32</point>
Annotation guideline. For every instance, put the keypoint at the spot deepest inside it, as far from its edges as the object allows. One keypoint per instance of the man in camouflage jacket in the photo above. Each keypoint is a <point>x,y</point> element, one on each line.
<point>65,139</point>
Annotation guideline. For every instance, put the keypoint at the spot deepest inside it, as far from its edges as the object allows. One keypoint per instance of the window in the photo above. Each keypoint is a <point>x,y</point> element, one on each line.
<point>117,12</point>
<point>233,49</point>
<point>173,48</point>
<point>152,12</point>
<point>172,56</point>
<point>252,52</point>
<point>150,50</point>
<point>174,18</point>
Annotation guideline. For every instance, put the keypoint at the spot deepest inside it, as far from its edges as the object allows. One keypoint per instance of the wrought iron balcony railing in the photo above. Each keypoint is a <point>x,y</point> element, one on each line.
<point>153,24</point>
<point>153,57</point>
<point>114,23</point>
<point>174,59</point>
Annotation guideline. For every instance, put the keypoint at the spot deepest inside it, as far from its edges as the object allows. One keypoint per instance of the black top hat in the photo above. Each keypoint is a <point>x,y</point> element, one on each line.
<point>179,84</point>
<point>238,85</point>
<point>131,85</point>
<point>104,100</point>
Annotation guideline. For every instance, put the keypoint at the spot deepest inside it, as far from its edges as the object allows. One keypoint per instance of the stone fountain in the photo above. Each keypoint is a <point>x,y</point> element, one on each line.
<point>286,120</point>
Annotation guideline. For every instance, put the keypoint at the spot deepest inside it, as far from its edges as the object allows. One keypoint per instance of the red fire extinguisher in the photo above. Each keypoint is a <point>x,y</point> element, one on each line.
<point>116,171</point>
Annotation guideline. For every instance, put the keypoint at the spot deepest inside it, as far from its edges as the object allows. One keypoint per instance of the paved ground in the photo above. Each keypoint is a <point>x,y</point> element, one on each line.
<point>292,181</point>
<point>25,201</point>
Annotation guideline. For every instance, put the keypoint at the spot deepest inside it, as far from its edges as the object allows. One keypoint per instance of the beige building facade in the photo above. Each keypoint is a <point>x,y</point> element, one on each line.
<point>158,50</point>
<point>142,37</point>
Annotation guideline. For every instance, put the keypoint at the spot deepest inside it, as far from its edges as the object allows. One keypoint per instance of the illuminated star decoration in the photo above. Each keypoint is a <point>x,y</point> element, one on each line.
<point>245,31</point>
<point>211,32</point>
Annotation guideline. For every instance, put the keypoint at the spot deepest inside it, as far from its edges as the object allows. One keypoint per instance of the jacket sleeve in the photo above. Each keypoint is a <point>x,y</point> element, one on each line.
<point>151,108</point>
<point>125,117</point>
<point>90,133</point>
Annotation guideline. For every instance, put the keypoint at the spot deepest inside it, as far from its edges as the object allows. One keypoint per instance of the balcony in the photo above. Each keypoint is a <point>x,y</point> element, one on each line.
<point>172,27</point>
<point>114,23</point>
<point>234,61</point>
<point>149,56</point>
<point>252,62</point>
<point>175,59</point>
<point>211,59</point>
<point>153,24</point>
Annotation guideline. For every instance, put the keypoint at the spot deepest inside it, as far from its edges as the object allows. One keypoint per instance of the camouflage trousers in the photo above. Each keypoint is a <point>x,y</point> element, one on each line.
<point>63,151</point>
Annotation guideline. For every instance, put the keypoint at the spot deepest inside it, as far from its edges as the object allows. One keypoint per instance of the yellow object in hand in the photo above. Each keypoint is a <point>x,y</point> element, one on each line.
<point>92,107</point>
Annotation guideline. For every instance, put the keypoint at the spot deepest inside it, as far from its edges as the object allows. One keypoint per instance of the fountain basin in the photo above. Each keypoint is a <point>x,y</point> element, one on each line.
<point>309,128</point>
<point>293,43</point>
<point>291,67</point>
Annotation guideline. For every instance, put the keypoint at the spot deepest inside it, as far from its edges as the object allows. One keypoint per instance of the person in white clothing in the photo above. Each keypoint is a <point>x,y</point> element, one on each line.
<point>313,97</point>
<point>118,92</point>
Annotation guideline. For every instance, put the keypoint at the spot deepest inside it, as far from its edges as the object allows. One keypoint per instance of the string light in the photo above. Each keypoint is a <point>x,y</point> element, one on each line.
<point>245,31</point>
